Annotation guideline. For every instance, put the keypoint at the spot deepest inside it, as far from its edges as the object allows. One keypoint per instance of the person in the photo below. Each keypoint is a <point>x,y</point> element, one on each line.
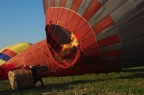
<point>37,73</point>
<point>36,77</point>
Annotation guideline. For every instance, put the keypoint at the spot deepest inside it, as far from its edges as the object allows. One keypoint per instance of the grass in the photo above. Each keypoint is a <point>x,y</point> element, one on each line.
<point>127,82</point>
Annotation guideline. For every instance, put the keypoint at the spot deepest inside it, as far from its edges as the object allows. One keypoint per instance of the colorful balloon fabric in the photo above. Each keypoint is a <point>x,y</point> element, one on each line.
<point>10,51</point>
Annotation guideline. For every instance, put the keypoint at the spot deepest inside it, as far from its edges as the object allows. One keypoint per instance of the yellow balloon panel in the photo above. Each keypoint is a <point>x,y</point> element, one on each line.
<point>17,47</point>
<point>2,62</point>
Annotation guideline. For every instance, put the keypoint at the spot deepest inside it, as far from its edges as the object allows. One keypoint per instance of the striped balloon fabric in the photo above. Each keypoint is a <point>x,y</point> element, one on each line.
<point>109,31</point>
<point>10,51</point>
<point>5,55</point>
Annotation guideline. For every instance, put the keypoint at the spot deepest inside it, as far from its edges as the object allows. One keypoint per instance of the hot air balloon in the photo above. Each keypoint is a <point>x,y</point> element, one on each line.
<point>108,32</point>
<point>88,36</point>
<point>10,51</point>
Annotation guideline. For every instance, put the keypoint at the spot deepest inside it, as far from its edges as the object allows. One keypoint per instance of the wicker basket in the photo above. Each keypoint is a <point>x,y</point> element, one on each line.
<point>20,79</point>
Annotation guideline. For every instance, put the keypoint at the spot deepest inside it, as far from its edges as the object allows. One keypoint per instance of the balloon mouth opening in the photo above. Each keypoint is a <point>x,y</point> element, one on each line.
<point>63,44</point>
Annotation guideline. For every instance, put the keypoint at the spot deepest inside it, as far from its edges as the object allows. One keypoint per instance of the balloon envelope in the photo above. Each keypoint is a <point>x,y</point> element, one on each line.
<point>10,51</point>
<point>108,31</point>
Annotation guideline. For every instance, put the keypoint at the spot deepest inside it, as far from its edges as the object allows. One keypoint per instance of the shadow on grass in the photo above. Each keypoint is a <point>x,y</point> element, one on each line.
<point>133,76</point>
<point>137,72</point>
<point>62,86</point>
<point>47,88</point>
<point>134,70</point>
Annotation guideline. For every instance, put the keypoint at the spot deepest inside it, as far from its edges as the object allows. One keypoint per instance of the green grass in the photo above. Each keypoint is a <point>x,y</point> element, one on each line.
<point>126,82</point>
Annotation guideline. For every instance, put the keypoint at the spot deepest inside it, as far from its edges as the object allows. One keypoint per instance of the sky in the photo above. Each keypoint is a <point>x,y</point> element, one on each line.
<point>21,21</point>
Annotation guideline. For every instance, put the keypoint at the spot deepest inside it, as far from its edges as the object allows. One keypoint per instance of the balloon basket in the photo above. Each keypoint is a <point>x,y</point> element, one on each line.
<point>20,79</point>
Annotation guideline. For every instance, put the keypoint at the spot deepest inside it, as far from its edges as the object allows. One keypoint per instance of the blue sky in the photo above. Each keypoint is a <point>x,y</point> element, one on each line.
<point>21,21</point>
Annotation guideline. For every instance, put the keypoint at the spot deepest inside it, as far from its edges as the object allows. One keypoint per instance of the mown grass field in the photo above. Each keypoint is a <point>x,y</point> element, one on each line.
<point>126,82</point>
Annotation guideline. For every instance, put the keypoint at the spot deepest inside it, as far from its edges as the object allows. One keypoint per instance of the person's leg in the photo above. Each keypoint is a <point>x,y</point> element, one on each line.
<point>42,84</point>
<point>34,82</point>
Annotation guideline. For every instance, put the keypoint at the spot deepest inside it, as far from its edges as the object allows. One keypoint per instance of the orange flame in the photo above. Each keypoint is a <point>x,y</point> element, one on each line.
<point>67,48</point>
